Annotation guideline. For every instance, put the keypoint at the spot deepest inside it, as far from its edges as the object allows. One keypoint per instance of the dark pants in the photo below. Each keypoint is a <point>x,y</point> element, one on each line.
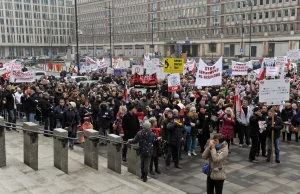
<point>253,149</point>
<point>47,125</point>
<point>172,151</point>
<point>145,163</point>
<point>262,143</point>
<point>72,130</point>
<point>228,142</point>
<point>124,151</point>
<point>154,160</point>
<point>214,186</point>
<point>244,132</point>
<point>289,136</point>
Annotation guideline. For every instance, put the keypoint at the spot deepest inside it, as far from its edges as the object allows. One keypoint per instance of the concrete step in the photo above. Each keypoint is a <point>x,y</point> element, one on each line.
<point>16,177</point>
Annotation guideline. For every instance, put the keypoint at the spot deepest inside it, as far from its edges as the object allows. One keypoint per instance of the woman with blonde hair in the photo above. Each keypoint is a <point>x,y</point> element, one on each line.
<point>191,123</point>
<point>227,129</point>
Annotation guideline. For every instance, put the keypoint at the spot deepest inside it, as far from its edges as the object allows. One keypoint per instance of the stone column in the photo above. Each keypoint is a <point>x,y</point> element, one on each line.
<point>114,153</point>
<point>133,160</point>
<point>61,150</point>
<point>2,143</point>
<point>91,148</point>
<point>31,145</point>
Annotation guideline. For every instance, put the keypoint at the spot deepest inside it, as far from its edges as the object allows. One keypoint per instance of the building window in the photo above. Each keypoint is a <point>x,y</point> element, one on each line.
<point>254,16</point>
<point>212,47</point>
<point>227,5</point>
<point>254,2</point>
<point>291,27</point>
<point>267,2</point>
<point>278,27</point>
<point>279,1</point>
<point>287,1</point>
<point>273,1</point>
<point>285,28</point>
<point>272,14</point>
<point>266,14</point>
<point>259,29</point>
<point>266,28</point>
<point>279,14</point>
<point>286,13</point>
<point>238,4</point>
<point>293,12</point>
<point>261,2</point>
<point>259,16</point>
<point>271,28</point>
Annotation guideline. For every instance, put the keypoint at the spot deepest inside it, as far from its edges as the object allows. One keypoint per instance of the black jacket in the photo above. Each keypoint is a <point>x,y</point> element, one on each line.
<point>131,125</point>
<point>104,122</point>
<point>59,112</point>
<point>46,107</point>
<point>187,122</point>
<point>277,126</point>
<point>253,125</point>
<point>286,114</point>
<point>70,118</point>
<point>10,100</point>
<point>175,133</point>
<point>30,102</point>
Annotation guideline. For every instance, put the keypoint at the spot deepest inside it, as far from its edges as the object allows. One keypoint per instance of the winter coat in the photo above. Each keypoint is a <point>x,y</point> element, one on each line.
<point>253,125</point>
<point>277,126</point>
<point>85,112</point>
<point>295,120</point>
<point>131,125</point>
<point>176,132</point>
<point>70,118</point>
<point>30,102</point>
<point>242,118</point>
<point>227,129</point>
<point>104,118</point>
<point>59,111</point>
<point>146,139</point>
<point>217,159</point>
<point>187,122</point>
<point>10,100</point>
<point>204,120</point>
<point>46,107</point>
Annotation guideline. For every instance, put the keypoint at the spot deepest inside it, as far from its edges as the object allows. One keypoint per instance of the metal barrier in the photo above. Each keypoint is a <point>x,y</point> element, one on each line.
<point>60,146</point>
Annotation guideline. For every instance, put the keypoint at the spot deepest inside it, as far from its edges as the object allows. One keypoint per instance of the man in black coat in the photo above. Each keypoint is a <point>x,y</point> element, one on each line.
<point>175,136</point>
<point>131,126</point>
<point>262,136</point>
<point>278,125</point>
<point>254,133</point>
<point>9,104</point>
<point>30,102</point>
<point>46,109</point>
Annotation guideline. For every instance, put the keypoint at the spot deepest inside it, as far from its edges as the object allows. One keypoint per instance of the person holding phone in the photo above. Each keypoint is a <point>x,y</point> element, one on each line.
<point>227,129</point>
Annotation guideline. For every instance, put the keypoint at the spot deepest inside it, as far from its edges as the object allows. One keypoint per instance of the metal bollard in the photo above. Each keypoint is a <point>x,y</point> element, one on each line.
<point>31,145</point>
<point>61,150</point>
<point>2,143</point>
<point>133,160</point>
<point>91,148</point>
<point>114,153</point>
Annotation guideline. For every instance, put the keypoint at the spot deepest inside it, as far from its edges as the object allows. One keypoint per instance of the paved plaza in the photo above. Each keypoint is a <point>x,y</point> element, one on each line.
<point>243,177</point>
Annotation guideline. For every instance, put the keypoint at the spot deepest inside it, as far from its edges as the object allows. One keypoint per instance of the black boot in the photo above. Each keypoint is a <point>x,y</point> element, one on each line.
<point>283,136</point>
<point>145,176</point>
<point>296,134</point>
<point>142,175</point>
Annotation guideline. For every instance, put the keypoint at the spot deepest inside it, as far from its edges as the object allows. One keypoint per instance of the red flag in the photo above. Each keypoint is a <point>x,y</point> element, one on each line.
<point>195,67</point>
<point>288,65</point>
<point>262,72</point>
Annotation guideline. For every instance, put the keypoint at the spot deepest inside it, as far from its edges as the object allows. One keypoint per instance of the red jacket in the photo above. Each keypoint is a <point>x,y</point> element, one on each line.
<point>227,129</point>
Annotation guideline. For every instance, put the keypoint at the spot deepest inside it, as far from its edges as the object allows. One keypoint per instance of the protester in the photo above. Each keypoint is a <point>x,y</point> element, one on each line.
<point>192,121</point>
<point>146,138</point>
<point>276,127</point>
<point>227,129</point>
<point>216,153</point>
<point>243,117</point>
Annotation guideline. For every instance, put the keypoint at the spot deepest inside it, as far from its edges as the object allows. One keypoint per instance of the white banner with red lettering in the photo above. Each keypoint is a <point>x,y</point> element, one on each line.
<point>137,69</point>
<point>174,82</point>
<point>19,76</point>
<point>239,68</point>
<point>12,66</point>
<point>209,75</point>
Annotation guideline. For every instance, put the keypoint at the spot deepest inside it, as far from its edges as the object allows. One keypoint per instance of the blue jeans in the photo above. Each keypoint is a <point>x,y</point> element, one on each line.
<point>191,143</point>
<point>11,116</point>
<point>276,145</point>
<point>30,117</point>
<point>58,124</point>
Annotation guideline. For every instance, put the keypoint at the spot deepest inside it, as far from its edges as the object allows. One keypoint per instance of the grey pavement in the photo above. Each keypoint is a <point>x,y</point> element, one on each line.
<point>17,178</point>
<point>243,177</point>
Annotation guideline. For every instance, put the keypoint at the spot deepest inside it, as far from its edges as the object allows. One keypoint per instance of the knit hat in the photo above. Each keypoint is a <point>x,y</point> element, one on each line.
<point>130,107</point>
<point>73,104</point>
<point>147,125</point>
<point>46,94</point>
<point>33,88</point>
<point>192,109</point>
<point>176,96</point>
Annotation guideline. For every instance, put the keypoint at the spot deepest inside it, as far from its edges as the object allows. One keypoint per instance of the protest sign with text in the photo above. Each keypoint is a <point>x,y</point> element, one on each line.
<point>209,75</point>
<point>239,68</point>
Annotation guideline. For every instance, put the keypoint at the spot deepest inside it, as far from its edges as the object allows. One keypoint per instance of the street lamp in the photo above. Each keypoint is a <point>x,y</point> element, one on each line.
<point>249,3</point>
<point>77,44</point>
<point>110,33</point>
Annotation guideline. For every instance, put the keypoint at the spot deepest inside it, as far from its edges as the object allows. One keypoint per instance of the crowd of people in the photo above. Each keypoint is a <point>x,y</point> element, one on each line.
<point>163,122</point>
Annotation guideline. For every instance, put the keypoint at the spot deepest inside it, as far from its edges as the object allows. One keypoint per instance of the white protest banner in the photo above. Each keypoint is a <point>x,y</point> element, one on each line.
<point>271,68</point>
<point>124,64</point>
<point>249,64</point>
<point>19,76</point>
<point>12,66</point>
<point>174,82</point>
<point>273,92</point>
<point>137,69</point>
<point>251,77</point>
<point>109,71</point>
<point>150,67</point>
<point>209,75</point>
<point>281,59</point>
<point>160,74</point>
<point>239,68</point>
<point>293,54</point>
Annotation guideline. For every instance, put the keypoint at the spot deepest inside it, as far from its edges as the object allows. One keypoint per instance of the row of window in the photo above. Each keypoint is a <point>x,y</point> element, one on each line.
<point>36,23</point>
<point>242,4</point>
<point>36,39</point>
